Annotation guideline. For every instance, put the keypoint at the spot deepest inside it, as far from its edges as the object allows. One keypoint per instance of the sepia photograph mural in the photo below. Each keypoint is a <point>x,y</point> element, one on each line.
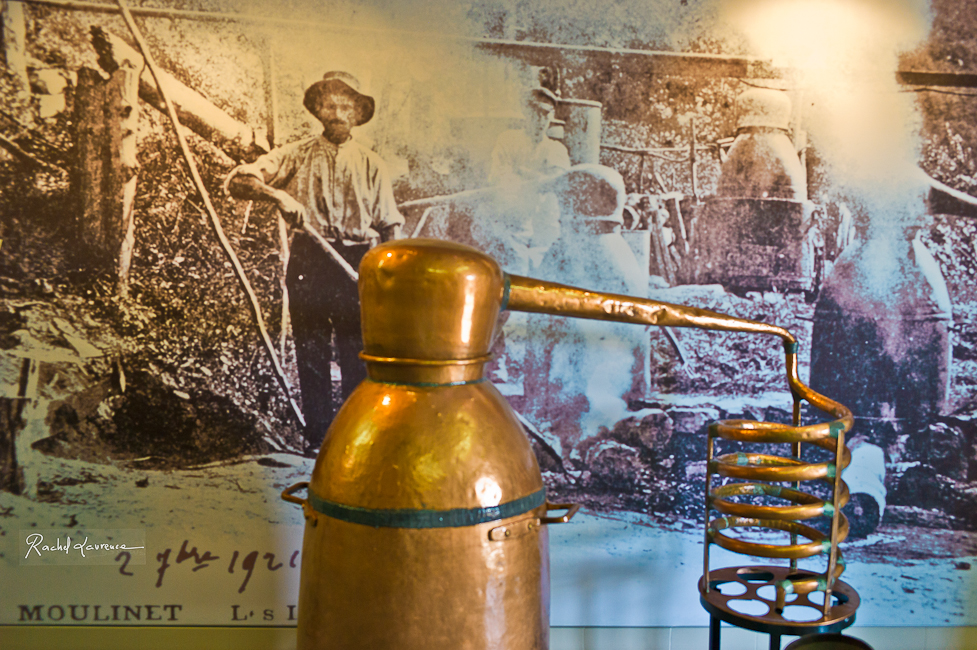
<point>175,339</point>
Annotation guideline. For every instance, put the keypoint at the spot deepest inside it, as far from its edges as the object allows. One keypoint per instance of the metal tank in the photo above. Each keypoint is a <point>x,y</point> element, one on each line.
<point>762,162</point>
<point>426,515</point>
<point>891,303</point>
<point>582,128</point>
<point>756,233</point>
<point>887,299</point>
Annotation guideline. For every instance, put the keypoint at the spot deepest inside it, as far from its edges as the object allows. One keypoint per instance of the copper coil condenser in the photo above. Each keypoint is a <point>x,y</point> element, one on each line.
<point>756,597</point>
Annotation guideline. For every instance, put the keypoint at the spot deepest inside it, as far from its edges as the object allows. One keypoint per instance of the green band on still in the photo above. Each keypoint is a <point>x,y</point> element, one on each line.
<point>411,518</point>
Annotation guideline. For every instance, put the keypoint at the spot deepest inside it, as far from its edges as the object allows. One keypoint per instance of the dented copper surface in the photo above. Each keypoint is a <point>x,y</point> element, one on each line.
<point>426,514</point>
<point>380,588</point>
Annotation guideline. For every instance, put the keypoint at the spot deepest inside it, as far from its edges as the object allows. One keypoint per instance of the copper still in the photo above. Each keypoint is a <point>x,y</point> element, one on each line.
<point>762,162</point>
<point>426,515</point>
<point>898,315</point>
<point>760,207</point>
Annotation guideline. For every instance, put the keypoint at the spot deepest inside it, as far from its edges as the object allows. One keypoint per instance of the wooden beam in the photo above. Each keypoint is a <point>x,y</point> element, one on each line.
<point>26,157</point>
<point>195,111</point>
<point>654,62</point>
<point>673,63</point>
<point>665,63</point>
<point>939,79</point>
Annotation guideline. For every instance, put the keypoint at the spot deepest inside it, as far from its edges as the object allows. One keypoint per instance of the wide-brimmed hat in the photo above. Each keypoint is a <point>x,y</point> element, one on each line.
<point>542,98</point>
<point>343,82</point>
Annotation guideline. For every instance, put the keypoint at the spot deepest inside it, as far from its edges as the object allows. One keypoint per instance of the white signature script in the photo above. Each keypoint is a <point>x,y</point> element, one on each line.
<point>34,542</point>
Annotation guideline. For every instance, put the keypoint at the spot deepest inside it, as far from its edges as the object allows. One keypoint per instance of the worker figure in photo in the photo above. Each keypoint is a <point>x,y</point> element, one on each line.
<point>522,219</point>
<point>579,372</point>
<point>342,190</point>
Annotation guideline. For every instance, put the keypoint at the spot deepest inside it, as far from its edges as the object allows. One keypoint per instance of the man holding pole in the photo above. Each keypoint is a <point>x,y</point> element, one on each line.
<point>337,196</point>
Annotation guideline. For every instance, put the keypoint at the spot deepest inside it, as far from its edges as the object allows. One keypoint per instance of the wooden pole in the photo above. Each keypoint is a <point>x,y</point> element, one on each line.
<point>286,253</point>
<point>89,169</point>
<point>641,174</point>
<point>123,126</point>
<point>14,37</point>
<point>212,212</point>
<point>27,158</point>
<point>269,68</point>
<point>692,161</point>
<point>107,118</point>
<point>798,131</point>
<point>269,65</point>
<point>12,421</point>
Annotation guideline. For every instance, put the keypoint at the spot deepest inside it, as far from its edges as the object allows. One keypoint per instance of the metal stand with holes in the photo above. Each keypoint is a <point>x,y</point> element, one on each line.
<point>762,492</point>
<point>772,623</point>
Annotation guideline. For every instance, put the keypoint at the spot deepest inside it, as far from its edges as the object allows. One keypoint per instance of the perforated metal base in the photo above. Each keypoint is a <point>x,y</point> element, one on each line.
<point>840,616</point>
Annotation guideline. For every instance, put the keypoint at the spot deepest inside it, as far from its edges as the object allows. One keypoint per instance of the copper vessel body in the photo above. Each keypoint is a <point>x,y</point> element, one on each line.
<point>425,449</point>
<point>426,515</point>
<point>427,588</point>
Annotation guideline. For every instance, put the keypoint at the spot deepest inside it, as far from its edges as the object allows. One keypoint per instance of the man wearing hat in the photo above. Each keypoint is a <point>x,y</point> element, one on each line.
<point>342,190</point>
<point>522,220</point>
<point>525,219</point>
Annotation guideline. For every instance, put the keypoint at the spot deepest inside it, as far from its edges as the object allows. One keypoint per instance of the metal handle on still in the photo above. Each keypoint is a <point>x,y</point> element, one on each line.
<point>571,509</point>
<point>519,528</point>
<point>287,495</point>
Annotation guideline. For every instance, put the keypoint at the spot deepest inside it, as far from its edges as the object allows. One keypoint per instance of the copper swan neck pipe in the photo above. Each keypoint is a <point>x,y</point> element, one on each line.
<point>542,297</point>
